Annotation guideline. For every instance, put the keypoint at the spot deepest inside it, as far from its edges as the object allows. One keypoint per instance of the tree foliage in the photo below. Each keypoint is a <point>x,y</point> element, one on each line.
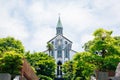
<point>10,44</point>
<point>106,46</point>
<point>103,40</point>
<point>11,55</point>
<point>42,77</point>
<point>84,66</point>
<point>110,63</point>
<point>117,38</point>
<point>44,64</point>
<point>11,62</point>
<point>49,47</point>
<point>68,68</point>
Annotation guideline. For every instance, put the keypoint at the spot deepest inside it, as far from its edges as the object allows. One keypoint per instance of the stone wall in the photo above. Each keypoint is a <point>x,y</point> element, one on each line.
<point>5,76</point>
<point>102,75</point>
<point>117,73</point>
<point>105,75</point>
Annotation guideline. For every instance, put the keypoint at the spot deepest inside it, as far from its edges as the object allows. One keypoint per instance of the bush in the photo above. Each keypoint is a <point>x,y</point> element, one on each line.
<point>42,77</point>
<point>78,78</point>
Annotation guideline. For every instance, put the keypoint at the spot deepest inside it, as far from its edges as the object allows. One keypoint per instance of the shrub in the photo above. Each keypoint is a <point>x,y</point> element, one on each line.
<point>42,77</point>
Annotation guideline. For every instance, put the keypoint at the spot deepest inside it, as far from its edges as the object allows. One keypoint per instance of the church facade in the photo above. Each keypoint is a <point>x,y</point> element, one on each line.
<point>62,48</point>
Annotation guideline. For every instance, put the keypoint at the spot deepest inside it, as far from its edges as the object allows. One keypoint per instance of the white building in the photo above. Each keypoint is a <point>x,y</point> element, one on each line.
<point>62,51</point>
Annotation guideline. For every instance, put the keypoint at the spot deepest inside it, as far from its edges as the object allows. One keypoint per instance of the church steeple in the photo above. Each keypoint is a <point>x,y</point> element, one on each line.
<point>59,28</point>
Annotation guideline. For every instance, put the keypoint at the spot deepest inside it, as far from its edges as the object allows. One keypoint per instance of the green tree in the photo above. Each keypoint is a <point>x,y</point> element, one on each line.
<point>105,46</point>
<point>84,66</point>
<point>110,63</point>
<point>44,64</point>
<point>103,41</point>
<point>81,67</point>
<point>11,62</point>
<point>117,38</point>
<point>87,45</point>
<point>10,44</point>
<point>49,47</point>
<point>68,68</point>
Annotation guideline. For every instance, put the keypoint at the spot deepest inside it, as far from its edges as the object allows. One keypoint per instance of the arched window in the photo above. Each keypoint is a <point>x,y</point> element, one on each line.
<point>66,53</point>
<point>59,53</point>
<point>52,53</point>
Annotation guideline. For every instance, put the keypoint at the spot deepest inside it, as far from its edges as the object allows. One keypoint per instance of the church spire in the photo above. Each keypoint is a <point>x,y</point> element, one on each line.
<point>59,28</point>
<point>59,24</point>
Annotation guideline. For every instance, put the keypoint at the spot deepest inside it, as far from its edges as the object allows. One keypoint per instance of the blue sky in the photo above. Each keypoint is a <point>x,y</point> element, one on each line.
<point>34,21</point>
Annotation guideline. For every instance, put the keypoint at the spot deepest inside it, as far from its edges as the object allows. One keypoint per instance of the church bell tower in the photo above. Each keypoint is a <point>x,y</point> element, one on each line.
<point>59,28</point>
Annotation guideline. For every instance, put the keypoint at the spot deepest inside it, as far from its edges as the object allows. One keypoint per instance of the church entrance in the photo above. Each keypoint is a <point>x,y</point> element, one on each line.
<point>59,69</point>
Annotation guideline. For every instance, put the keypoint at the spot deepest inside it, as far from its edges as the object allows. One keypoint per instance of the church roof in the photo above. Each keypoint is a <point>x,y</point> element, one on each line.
<point>62,36</point>
<point>74,51</point>
<point>59,24</point>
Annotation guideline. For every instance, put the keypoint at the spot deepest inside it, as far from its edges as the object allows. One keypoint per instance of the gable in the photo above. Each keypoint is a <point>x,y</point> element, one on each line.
<point>60,37</point>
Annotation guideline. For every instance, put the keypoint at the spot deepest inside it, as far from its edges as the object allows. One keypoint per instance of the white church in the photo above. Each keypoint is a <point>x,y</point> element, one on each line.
<point>62,51</point>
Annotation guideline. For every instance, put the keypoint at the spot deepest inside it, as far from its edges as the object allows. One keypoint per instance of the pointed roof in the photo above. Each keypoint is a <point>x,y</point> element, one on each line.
<point>59,24</point>
<point>61,36</point>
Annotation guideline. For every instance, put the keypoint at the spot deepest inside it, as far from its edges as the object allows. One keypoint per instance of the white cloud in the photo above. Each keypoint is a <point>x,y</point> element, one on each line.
<point>10,26</point>
<point>40,38</point>
<point>86,37</point>
<point>34,21</point>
